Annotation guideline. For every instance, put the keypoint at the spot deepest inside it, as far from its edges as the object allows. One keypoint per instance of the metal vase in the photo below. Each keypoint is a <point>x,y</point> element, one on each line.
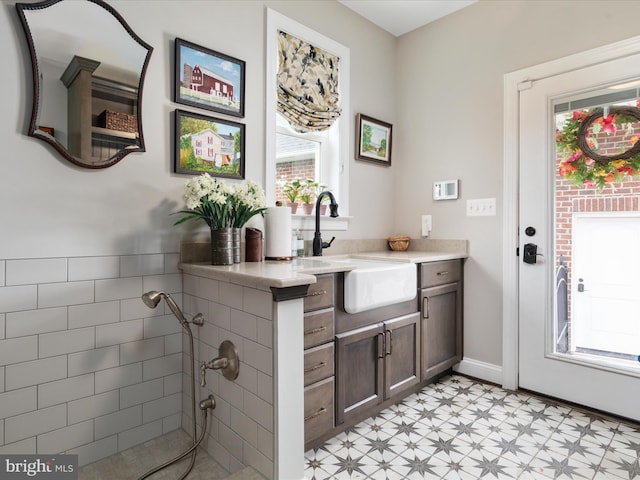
<point>236,244</point>
<point>222,246</point>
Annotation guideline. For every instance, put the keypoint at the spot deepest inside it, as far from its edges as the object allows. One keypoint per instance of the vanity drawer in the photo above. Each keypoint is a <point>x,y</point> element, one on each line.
<point>318,363</point>
<point>439,273</point>
<point>318,409</point>
<point>320,294</point>
<point>318,327</point>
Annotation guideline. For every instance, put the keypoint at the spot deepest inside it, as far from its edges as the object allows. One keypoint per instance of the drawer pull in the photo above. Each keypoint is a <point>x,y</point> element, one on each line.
<point>315,330</point>
<point>317,293</point>
<point>316,414</point>
<point>315,367</point>
<point>442,274</point>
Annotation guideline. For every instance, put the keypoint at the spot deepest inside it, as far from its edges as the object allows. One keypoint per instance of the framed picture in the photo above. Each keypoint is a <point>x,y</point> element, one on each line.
<point>208,79</point>
<point>373,140</point>
<point>207,144</point>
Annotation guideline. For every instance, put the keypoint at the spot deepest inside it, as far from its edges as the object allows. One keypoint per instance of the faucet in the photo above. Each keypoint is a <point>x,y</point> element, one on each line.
<point>318,244</point>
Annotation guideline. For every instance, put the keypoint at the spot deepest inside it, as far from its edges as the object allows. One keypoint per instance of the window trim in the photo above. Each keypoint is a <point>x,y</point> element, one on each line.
<point>339,172</point>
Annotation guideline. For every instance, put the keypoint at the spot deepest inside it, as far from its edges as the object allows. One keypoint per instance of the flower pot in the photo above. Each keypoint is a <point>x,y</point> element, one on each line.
<point>323,209</point>
<point>222,246</point>
<point>293,206</point>
<point>237,235</point>
<point>307,208</point>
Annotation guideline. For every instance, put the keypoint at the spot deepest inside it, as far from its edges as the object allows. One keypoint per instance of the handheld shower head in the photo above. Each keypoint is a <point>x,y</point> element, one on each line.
<point>152,298</point>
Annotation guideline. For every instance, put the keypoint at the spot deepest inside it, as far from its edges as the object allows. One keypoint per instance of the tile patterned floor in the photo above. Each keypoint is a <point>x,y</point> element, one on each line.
<point>459,428</point>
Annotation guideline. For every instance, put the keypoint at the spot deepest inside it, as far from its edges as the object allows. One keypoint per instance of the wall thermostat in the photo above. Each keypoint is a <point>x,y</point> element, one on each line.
<point>445,190</point>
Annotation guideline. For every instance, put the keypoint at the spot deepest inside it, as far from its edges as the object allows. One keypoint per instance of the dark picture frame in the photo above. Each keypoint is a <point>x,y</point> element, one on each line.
<point>373,140</point>
<point>208,144</point>
<point>208,79</point>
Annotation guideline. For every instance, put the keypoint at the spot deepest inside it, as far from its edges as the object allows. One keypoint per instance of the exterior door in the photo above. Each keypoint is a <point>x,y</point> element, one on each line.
<point>541,367</point>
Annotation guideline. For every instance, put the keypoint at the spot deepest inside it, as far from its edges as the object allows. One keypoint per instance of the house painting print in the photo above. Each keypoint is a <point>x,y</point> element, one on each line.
<point>209,79</point>
<point>212,148</point>
<point>207,144</point>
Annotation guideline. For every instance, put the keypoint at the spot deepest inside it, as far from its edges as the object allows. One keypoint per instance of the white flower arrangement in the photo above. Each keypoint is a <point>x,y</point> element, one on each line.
<point>221,205</point>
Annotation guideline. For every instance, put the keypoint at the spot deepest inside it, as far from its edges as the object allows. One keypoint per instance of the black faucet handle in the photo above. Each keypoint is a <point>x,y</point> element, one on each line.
<point>327,245</point>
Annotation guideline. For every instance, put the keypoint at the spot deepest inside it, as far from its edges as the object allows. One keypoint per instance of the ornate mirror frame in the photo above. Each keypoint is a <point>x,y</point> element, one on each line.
<point>127,134</point>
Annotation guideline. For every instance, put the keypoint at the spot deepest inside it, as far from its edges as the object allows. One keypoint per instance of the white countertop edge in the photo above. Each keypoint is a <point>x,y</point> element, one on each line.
<point>302,271</point>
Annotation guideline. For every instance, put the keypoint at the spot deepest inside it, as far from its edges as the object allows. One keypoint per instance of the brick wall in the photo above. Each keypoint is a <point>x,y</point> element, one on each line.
<point>288,171</point>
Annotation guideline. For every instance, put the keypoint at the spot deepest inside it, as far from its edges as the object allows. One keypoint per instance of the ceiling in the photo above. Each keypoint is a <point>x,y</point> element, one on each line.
<point>401,16</point>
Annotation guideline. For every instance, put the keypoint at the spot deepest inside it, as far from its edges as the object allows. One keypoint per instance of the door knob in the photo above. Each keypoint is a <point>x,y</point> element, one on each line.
<point>530,253</point>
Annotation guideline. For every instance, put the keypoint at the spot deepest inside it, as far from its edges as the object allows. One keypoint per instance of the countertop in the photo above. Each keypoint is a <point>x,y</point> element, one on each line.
<point>301,271</point>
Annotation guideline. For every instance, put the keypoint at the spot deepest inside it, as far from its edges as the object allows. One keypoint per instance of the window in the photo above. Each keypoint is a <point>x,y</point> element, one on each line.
<point>328,151</point>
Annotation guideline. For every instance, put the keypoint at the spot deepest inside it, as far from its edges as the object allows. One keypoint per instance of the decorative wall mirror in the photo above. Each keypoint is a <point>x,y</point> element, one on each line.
<point>88,71</point>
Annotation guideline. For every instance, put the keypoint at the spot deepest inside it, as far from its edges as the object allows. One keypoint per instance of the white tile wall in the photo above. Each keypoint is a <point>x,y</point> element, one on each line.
<point>15,350</point>
<point>118,377</point>
<point>66,438</point>
<point>92,268</point>
<point>31,322</point>
<point>68,341</point>
<point>23,297</point>
<point>34,423</point>
<point>45,270</point>
<point>75,339</point>
<point>118,289</point>
<point>16,402</point>
<point>93,360</point>
<point>24,374</point>
<point>138,265</point>
<point>141,392</point>
<point>61,391</point>
<point>94,314</point>
<point>242,427</point>
<point>59,294</point>
<point>92,407</point>
<point>118,421</point>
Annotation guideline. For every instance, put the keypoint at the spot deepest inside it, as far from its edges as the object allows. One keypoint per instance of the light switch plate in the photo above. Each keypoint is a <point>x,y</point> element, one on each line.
<point>481,207</point>
<point>426,225</point>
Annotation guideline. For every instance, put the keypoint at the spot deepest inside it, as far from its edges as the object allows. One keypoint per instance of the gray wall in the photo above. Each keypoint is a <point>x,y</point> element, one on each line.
<point>449,125</point>
<point>441,87</point>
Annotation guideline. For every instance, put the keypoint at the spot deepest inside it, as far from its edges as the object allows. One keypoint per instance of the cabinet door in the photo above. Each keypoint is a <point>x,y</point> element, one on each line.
<point>359,370</point>
<point>402,354</point>
<point>441,328</point>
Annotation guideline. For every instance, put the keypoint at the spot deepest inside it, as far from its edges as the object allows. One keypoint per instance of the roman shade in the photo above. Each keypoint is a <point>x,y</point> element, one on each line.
<point>307,84</point>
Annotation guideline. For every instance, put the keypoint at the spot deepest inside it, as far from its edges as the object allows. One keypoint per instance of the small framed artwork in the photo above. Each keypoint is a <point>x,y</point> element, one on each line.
<point>208,79</point>
<point>373,140</point>
<point>208,144</point>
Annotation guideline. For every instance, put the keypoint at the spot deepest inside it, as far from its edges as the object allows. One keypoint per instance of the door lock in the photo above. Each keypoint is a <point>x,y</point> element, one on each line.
<point>530,253</point>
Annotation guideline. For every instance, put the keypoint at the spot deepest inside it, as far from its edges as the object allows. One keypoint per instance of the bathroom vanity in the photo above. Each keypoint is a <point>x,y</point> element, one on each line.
<point>327,368</point>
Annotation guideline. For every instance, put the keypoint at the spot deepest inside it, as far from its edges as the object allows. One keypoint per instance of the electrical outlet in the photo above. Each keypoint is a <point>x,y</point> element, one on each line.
<point>481,207</point>
<point>426,225</point>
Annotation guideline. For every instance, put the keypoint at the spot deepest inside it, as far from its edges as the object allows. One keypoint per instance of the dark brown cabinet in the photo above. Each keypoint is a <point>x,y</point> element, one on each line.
<point>375,363</point>
<point>319,380</point>
<point>441,311</point>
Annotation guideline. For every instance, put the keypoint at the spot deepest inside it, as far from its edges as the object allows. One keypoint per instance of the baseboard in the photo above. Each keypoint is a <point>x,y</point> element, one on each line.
<point>482,370</point>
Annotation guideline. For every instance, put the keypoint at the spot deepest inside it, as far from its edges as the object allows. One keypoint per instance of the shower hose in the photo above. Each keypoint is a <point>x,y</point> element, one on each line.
<point>203,417</point>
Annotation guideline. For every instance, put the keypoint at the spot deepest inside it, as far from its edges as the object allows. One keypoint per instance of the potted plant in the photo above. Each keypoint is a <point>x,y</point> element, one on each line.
<point>225,209</point>
<point>308,194</point>
<point>291,190</point>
